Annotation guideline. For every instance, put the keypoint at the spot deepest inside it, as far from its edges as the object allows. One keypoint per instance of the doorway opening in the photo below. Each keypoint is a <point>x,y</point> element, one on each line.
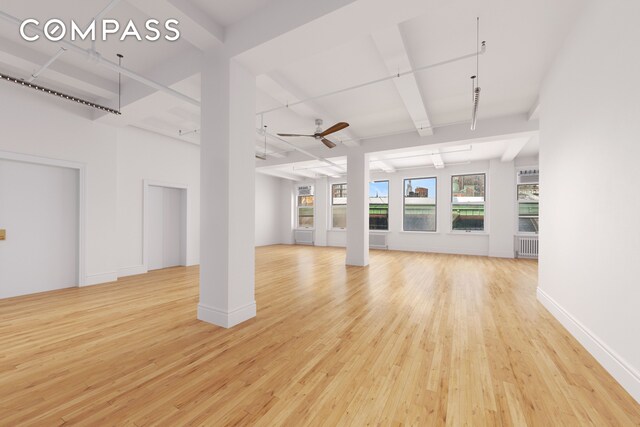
<point>165,225</point>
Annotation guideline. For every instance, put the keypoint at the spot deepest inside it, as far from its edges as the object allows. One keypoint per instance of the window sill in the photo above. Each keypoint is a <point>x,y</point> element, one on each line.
<point>418,232</point>
<point>304,229</point>
<point>379,231</point>
<point>467,233</point>
<point>337,229</point>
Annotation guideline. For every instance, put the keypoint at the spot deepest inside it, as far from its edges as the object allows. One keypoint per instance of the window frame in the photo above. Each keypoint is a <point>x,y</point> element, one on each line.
<point>388,207</point>
<point>297,206</point>
<point>333,227</point>
<point>484,204</point>
<point>404,197</point>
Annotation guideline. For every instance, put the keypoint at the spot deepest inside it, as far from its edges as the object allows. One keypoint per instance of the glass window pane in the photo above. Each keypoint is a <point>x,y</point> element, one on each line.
<point>339,193</point>
<point>305,200</point>
<point>528,192</point>
<point>528,209</point>
<point>528,214</point>
<point>467,217</point>
<point>339,216</point>
<point>339,205</point>
<point>379,205</point>
<point>528,224</point>
<point>468,188</point>
<point>305,217</point>
<point>420,204</point>
<point>419,218</point>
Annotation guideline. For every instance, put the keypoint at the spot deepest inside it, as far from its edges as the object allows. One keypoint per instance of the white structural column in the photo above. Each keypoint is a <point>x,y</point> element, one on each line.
<point>357,207</point>
<point>227,236</point>
<point>322,198</point>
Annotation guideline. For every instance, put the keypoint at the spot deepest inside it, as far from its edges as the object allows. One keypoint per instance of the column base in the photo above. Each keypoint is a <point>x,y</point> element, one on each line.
<point>226,319</point>
<point>357,263</point>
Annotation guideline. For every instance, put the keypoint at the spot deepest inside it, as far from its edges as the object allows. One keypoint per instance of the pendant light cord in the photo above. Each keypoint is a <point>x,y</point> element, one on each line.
<point>119,82</point>
<point>478,50</point>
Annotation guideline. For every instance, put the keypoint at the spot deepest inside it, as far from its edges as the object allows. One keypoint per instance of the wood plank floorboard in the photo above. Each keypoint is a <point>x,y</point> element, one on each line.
<point>414,339</point>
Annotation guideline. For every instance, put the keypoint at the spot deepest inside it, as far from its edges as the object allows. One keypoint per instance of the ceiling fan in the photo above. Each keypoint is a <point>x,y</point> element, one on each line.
<point>320,134</point>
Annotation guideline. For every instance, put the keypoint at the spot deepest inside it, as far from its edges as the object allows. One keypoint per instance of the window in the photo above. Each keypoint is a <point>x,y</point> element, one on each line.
<point>339,205</point>
<point>528,208</point>
<point>419,204</point>
<point>379,205</point>
<point>305,202</point>
<point>467,202</point>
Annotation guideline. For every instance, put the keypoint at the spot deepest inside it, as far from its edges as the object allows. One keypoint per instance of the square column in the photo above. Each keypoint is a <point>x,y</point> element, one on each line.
<point>227,192</point>
<point>322,198</point>
<point>357,208</point>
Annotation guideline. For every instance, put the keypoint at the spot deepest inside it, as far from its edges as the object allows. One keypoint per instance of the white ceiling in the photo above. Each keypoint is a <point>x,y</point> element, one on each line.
<point>522,37</point>
<point>408,158</point>
<point>228,12</point>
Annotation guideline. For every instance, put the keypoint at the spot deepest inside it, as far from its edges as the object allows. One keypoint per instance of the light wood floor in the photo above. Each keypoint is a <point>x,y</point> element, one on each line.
<point>417,339</point>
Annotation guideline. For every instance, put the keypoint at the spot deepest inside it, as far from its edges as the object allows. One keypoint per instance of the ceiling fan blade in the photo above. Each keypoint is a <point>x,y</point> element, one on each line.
<point>328,143</point>
<point>335,128</point>
<point>295,134</point>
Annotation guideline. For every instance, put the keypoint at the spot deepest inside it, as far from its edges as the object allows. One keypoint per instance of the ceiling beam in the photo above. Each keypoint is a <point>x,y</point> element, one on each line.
<point>140,100</point>
<point>278,174</point>
<point>514,148</point>
<point>392,49</point>
<point>506,127</point>
<point>384,166</point>
<point>196,26</point>
<point>271,150</point>
<point>305,173</point>
<point>291,30</point>
<point>534,111</point>
<point>286,92</point>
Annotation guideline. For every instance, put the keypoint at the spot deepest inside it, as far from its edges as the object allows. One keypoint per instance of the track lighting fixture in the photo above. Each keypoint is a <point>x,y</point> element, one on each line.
<point>58,94</point>
<point>187,132</point>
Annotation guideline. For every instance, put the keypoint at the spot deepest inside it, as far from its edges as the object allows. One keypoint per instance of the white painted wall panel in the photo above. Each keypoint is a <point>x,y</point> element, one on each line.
<point>156,227</point>
<point>39,210</point>
<point>145,155</point>
<point>269,210</point>
<point>589,151</point>
<point>66,131</point>
<point>172,227</point>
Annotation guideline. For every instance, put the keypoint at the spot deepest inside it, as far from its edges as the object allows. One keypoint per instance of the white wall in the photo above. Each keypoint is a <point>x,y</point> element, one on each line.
<point>590,146</point>
<point>39,208</point>
<point>500,212</point>
<point>116,161</point>
<point>144,155</point>
<point>269,210</point>
<point>39,125</point>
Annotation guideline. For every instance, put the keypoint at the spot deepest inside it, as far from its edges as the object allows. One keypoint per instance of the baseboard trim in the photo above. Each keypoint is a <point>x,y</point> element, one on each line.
<point>623,372</point>
<point>98,279</point>
<point>226,319</point>
<point>438,250</point>
<point>502,254</point>
<point>132,271</point>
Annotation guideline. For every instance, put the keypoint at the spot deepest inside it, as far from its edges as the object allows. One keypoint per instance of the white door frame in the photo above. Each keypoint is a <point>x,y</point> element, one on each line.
<point>81,168</point>
<point>145,219</point>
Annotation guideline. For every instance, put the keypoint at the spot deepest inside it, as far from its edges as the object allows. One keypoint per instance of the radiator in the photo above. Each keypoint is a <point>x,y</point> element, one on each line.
<point>303,237</point>
<point>378,240</point>
<point>527,246</point>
